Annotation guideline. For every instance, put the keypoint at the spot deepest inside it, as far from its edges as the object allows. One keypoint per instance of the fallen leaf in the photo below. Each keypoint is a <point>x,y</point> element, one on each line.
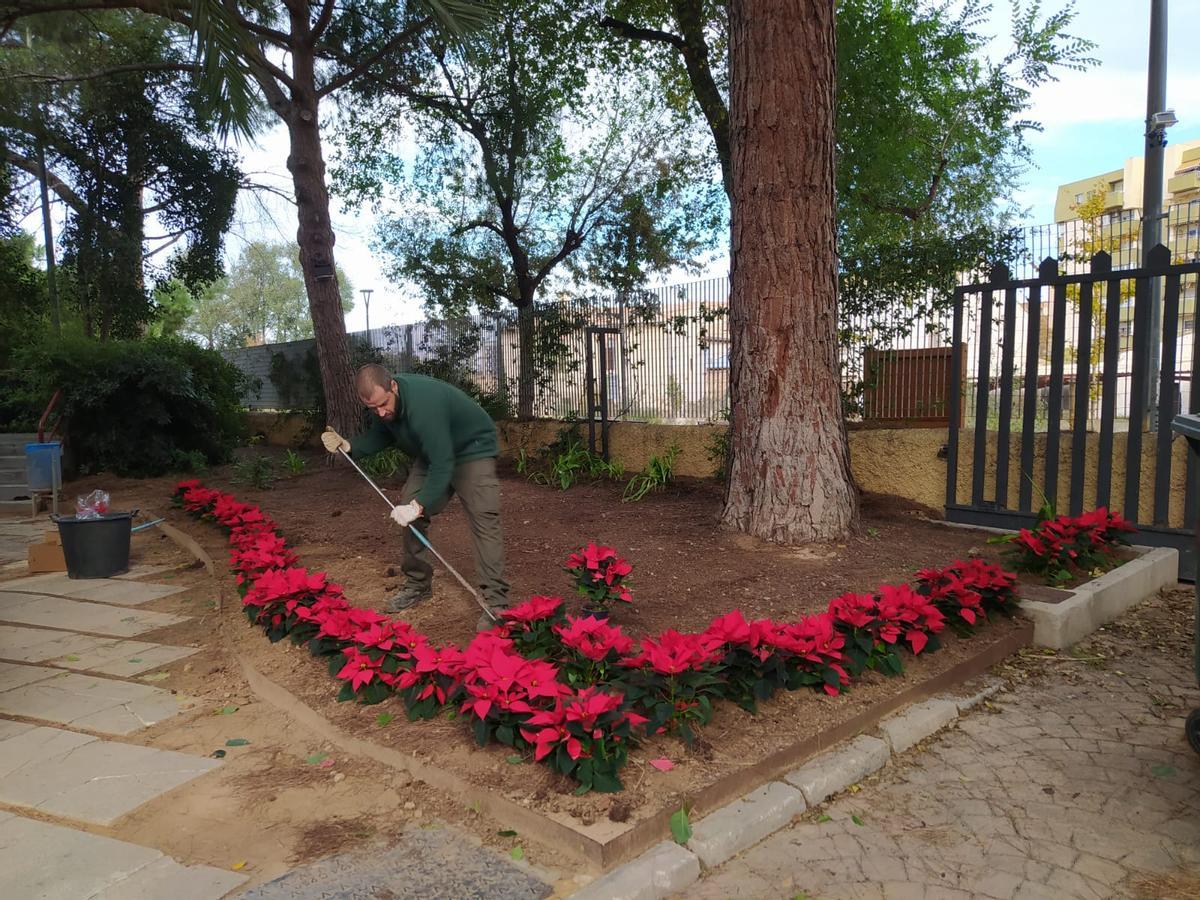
<point>856,820</point>
<point>824,818</point>
<point>514,759</point>
<point>136,659</point>
<point>328,763</point>
<point>157,676</point>
<point>226,711</point>
<point>218,754</point>
<point>383,719</point>
<point>236,742</point>
<point>1163,771</point>
<point>662,764</point>
<point>516,853</point>
<point>681,828</point>
<point>508,832</point>
<point>316,758</point>
<point>238,866</point>
<point>71,658</point>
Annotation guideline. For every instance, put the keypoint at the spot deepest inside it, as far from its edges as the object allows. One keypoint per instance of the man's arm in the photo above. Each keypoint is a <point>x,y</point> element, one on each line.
<point>374,439</point>
<point>432,429</point>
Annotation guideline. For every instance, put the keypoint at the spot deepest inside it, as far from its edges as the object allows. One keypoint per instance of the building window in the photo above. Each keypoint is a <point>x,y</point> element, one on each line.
<point>716,356</point>
<point>1118,185</point>
<point>1078,199</point>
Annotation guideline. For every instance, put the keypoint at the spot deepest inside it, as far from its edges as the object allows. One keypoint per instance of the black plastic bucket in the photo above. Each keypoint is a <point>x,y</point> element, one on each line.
<point>96,548</point>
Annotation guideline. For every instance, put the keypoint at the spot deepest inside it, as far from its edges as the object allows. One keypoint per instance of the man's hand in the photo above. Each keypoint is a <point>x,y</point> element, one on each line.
<point>333,441</point>
<point>407,514</point>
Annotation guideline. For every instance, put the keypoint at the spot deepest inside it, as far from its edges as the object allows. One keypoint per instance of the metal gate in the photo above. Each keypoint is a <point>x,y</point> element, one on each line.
<point>1061,383</point>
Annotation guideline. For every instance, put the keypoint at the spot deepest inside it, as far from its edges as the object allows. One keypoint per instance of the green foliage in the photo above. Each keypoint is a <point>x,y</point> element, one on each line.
<point>566,462</point>
<point>129,406</point>
<point>23,311</point>
<point>681,828</point>
<point>534,161</point>
<point>257,472</point>
<point>386,463</point>
<point>192,461</point>
<point>717,450</point>
<point>263,297</point>
<point>120,149</point>
<point>294,463</point>
<point>659,472</point>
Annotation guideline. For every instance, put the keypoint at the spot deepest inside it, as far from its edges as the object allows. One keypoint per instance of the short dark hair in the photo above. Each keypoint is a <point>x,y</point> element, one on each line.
<point>370,376</point>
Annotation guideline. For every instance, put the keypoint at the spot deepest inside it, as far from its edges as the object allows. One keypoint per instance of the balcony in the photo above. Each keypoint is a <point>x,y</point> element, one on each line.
<point>1190,156</point>
<point>1188,181</point>
<point>1114,199</point>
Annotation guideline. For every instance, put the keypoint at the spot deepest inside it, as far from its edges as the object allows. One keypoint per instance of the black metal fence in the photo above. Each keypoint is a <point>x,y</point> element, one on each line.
<point>666,350</point>
<point>1066,383</point>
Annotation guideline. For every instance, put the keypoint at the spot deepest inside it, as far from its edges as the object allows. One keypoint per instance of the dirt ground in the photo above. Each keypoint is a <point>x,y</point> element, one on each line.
<point>686,571</point>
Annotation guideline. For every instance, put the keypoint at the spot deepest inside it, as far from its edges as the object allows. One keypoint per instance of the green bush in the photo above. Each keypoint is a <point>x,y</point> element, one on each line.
<point>130,407</point>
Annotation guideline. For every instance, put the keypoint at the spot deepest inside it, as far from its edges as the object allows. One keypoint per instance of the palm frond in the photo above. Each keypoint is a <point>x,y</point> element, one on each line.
<point>225,81</point>
<point>461,17</point>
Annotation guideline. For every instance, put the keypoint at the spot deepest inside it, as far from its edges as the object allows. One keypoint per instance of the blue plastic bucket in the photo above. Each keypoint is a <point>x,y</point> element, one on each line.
<point>43,465</point>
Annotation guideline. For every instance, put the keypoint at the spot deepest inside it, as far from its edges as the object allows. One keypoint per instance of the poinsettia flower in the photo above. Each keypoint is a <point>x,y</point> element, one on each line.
<point>672,653</point>
<point>360,669</point>
<point>593,638</point>
<point>532,610</point>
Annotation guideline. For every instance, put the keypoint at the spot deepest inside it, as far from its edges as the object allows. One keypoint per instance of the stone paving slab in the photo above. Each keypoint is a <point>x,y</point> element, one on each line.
<point>60,612</point>
<point>120,591</point>
<point>97,704</point>
<point>1077,784</point>
<point>48,862</point>
<point>15,676</point>
<point>82,777</point>
<point>438,863</point>
<point>86,653</point>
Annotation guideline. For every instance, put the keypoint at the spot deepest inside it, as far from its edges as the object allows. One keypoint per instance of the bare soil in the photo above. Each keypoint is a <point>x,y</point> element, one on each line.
<point>686,571</point>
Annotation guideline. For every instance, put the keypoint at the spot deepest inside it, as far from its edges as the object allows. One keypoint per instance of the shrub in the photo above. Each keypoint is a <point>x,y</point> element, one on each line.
<point>132,407</point>
<point>258,472</point>
<point>659,472</point>
<point>1063,546</point>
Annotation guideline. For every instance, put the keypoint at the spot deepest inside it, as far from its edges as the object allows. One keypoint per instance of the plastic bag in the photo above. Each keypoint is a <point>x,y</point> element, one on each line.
<point>93,506</point>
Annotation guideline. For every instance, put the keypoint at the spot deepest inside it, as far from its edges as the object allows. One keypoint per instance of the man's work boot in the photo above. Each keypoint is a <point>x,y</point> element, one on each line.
<point>410,596</point>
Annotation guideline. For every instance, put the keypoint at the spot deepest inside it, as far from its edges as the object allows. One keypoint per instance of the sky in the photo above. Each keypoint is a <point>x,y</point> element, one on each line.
<point>1092,122</point>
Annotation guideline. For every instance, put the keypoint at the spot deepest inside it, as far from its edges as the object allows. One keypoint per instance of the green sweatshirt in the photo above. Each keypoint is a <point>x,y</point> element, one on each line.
<point>436,423</point>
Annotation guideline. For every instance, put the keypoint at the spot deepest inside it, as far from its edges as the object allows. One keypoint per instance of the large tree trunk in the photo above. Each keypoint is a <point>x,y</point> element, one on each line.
<point>790,478</point>
<point>525,368</point>
<point>315,237</point>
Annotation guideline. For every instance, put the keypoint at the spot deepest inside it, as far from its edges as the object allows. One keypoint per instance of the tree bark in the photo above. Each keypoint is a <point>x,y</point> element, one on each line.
<point>525,366</point>
<point>790,479</point>
<point>315,238</point>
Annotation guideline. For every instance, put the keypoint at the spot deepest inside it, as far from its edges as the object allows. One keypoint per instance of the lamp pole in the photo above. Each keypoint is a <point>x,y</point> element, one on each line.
<point>366,295</point>
<point>1158,119</point>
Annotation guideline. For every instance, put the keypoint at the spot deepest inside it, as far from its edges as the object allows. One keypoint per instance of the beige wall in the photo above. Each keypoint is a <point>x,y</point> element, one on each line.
<point>902,462</point>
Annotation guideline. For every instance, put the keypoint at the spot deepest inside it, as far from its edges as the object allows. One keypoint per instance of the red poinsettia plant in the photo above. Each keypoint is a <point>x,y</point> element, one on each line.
<point>1060,548</point>
<point>601,577</point>
<point>576,692</point>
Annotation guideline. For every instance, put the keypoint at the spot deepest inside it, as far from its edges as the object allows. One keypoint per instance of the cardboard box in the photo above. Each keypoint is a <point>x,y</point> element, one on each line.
<point>52,537</point>
<point>46,558</point>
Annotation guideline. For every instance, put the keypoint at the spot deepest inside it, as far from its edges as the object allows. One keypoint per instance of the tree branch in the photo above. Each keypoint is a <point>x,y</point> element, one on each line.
<point>478,223</point>
<point>400,38</point>
<point>636,33</point>
<point>103,73</point>
<point>56,184</point>
<point>321,24</point>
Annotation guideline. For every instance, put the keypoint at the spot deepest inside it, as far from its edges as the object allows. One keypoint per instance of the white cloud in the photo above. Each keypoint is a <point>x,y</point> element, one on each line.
<point>1111,95</point>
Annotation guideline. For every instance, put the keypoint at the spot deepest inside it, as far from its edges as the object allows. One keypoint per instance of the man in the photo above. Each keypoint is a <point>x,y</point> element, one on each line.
<point>452,443</point>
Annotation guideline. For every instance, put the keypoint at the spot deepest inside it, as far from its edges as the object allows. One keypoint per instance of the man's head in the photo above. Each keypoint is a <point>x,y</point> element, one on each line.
<point>377,390</point>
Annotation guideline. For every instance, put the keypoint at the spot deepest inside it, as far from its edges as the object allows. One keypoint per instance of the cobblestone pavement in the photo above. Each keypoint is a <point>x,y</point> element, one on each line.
<point>1077,783</point>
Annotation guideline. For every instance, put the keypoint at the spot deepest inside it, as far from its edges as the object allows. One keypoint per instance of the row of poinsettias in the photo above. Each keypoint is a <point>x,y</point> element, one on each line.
<point>577,691</point>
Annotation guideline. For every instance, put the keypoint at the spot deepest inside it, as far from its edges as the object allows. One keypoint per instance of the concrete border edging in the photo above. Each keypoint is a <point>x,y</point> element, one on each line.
<point>1101,600</point>
<point>669,868</point>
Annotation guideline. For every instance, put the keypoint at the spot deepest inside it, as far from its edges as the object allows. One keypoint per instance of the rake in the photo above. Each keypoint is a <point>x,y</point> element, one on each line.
<point>424,540</point>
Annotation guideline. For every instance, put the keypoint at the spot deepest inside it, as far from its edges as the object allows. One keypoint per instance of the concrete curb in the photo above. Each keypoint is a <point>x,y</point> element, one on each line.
<point>1102,599</point>
<point>669,868</point>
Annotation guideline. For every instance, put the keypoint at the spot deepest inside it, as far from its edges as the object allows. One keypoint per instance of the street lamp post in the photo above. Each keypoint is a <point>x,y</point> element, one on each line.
<point>366,295</point>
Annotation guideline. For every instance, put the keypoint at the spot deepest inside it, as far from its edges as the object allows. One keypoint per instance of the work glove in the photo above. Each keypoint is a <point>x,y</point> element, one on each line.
<point>407,514</point>
<point>333,441</point>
